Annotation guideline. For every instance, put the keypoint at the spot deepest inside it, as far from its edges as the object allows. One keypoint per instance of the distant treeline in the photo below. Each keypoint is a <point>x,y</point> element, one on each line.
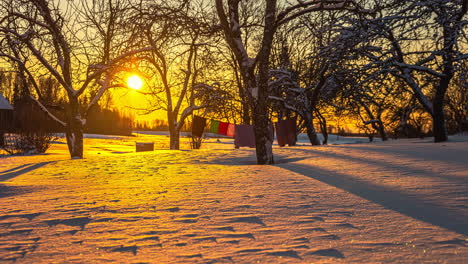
<point>157,125</point>
<point>28,115</point>
<point>106,121</point>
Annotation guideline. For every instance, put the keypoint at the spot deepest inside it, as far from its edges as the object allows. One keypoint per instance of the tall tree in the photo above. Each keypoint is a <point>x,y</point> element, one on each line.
<point>81,44</point>
<point>181,58</point>
<point>255,68</point>
<point>418,42</point>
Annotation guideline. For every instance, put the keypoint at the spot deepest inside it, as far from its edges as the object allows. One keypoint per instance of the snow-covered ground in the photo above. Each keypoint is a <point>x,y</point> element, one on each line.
<point>403,201</point>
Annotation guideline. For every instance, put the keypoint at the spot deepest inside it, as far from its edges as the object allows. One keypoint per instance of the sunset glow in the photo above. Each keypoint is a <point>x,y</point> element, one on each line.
<point>135,82</point>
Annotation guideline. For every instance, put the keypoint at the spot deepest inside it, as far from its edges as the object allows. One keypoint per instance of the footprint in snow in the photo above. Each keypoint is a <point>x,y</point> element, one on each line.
<point>347,225</point>
<point>27,216</point>
<point>331,252</point>
<point>285,253</point>
<point>190,215</point>
<point>187,220</point>
<point>155,238</point>
<point>220,260</point>
<point>248,219</point>
<point>330,237</point>
<point>203,239</point>
<point>232,242</point>
<point>302,239</point>
<point>15,232</point>
<point>132,249</point>
<point>225,228</point>
<point>315,229</point>
<point>309,220</point>
<point>240,235</point>
<point>252,250</point>
<point>173,209</point>
<point>456,241</point>
<point>191,256</point>
<point>79,221</point>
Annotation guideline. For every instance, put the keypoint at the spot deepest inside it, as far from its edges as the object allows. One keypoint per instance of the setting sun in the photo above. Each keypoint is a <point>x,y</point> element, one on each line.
<point>135,82</point>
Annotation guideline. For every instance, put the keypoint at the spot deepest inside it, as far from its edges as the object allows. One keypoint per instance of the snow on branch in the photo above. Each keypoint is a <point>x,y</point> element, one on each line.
<point>40,57</point>
<point>187,111</point>
<point>286,105</point>
<point>419,68</point>
<point>43,108</point>
<point>304,7</point>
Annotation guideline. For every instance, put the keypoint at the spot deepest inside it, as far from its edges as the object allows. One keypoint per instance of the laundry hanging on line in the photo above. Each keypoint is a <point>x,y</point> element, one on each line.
<point>230,130</point>
<point>244,136</point>
<point>292,131</point>
<point>286,132</point>
<point>198,126</point>
<point>214,126</point>
<point>223,127</point>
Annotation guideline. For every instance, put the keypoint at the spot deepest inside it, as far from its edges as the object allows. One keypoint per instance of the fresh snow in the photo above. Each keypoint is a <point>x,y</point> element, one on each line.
<point>401,201</point>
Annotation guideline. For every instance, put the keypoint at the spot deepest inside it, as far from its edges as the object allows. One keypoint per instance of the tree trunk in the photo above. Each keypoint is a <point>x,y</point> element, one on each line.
<point>75,142</point>
<point>323,127</point>
<point>438,121</point>
<point>380,128</point>
<point>174,139</point>
<point>311,133</point>
<point>382,132</point>
<point>256,88</point>
<point>74,130</point>
<point>263,139</point>
<point>174,134</point>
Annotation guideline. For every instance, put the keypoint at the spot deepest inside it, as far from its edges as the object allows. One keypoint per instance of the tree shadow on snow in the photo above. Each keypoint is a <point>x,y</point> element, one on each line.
<point>392,199</point>
<point>22,169</point>
<point>426,173</point>
<point>249,160</point>
<point>6,191</point>
<point>457,156</point>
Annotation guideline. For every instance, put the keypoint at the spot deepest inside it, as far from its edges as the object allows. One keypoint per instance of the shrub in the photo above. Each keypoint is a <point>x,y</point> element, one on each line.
<point>27,142</point>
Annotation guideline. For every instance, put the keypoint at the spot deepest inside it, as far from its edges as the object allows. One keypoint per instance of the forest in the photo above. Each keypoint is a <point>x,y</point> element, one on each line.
<point>392,68</point>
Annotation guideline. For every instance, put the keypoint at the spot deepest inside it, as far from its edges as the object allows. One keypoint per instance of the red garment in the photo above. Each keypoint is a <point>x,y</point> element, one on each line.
<point>223,127</point>
<point>291,128</point>
<point>281,132</point>
<point>230,130</point>
<point>286,132</point>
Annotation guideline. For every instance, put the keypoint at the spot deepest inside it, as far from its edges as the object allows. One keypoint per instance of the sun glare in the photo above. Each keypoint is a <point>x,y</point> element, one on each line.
<point>134,82</point>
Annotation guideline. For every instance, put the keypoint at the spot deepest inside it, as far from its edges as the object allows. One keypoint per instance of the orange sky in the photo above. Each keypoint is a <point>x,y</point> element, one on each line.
<point>128,100</point>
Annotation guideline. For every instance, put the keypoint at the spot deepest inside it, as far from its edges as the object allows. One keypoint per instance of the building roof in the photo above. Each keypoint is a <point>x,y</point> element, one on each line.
<point>4,104</point>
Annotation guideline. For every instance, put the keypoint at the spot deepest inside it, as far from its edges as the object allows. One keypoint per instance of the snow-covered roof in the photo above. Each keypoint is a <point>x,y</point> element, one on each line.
<point>4,104</point>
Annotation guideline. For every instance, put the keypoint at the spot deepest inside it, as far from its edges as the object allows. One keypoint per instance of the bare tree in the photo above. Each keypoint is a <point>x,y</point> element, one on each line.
<point>182,61</point>
<point>255,68</point>
<point>80,44</point>
<point>417,41</point>
<point>308,69</point>
<point>457,101</point>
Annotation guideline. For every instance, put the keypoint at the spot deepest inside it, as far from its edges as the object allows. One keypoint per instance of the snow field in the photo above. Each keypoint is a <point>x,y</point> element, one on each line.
<point>215,205</point>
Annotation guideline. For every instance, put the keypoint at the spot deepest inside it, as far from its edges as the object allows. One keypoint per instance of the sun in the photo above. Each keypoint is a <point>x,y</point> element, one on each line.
<point>134,82</point>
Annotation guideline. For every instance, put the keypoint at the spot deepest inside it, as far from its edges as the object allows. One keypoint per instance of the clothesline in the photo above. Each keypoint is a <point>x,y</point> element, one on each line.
<point>244,134</point>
